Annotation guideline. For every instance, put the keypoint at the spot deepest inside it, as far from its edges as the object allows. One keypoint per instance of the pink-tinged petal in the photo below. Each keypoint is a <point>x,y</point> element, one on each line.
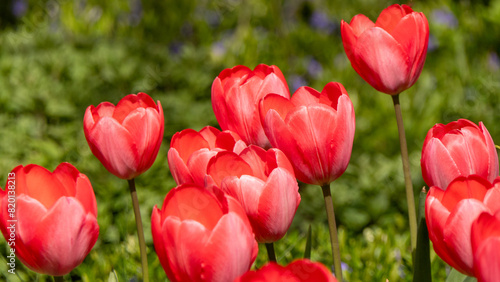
<point>340,145</point>
<point>276,158</point>
<point>283,138</point>
<point>492,198</point>
<point>256,157</point>
<point>412,41</point>
<point>436,216</point>
<point>39,183</point>
<point>457,233</point>
<point>178,168</point>
<point>487,261</point>
<point>468,151</point>
<point>305,96</point>
<point>60,256</point>
<point>227,164</point>
<point>278,203</point>
<point>219,104</point>
<point>492,153</point>
<point>188,141</point>
<point>198,163</point>
<point>485,239</point>
<point>438,167</point>
<point>29,213</point>
<point>385,67</point>
<point>104,109</point>
<point>391,16</point>
<point>349,40</point>
<point>85,194</point>
<point>231,233</point>
<point>159,243</point>
<point>113,145</point>
<point>331,94</point>
<point>189,202</point>
<point>360,23</point>
<point>67,175</point>
<point>472,187</point>
<point>184,240</point>
<point>210,134</point>
<point>277,103</point>
<point>133,102</point>
<point>146,127</point>
<point>247,190</point>
<point>314,126</point>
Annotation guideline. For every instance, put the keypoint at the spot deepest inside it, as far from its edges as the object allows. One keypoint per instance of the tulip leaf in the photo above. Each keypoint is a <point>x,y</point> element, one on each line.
<point>456,276</point>
<point>112,276</point>
<point>422,267</point>
<point>307,251</point>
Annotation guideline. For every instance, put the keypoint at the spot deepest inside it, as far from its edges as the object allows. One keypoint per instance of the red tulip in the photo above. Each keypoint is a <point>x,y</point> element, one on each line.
<point>315,130</point>
<point>450,213</point>
<point>460,148</point>
<point>265,185</point>
<point>390,53</point>
<point>202,236</point>
<point>56,215</point>
<point>190,152</point>
<point>125,138</point>
<point>486,246</point>
<point>298,270</point>
<point>236,94</point>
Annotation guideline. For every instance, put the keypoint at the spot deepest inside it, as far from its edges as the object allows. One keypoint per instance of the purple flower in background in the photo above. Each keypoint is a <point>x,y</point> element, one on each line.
<point>314,68</point>
<point>19,8</point>
<point>321,21</point>
<point>296,82</point>
<point>433,43</point>
<point>136,12</point>
<point>444,17</point>
<point>493,61</point>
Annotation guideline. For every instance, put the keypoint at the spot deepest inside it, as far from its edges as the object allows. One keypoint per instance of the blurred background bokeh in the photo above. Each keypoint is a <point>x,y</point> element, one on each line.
<point>57,57</point>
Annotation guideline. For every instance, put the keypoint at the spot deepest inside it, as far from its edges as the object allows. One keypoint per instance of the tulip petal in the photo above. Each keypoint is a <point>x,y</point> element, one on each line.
<point>231,233</point>
<point>386,67</point>
<point>391,16</point>
<point>278,203</point>
<point>434,172</point>
<point>60,256</point>
<point>227,164</point>
<point>457,233</point>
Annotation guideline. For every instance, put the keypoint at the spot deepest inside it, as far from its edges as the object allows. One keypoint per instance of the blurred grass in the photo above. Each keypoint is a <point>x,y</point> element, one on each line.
<point>59,57</point>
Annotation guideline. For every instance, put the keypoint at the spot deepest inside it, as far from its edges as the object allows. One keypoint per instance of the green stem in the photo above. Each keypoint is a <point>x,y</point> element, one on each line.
<point>334,239</point>
<point>406,169</point>
<point>270,251</point>
<point>140,230</point>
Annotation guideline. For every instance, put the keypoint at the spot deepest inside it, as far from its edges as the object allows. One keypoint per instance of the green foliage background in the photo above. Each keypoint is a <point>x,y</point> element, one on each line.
<point>58,57</point>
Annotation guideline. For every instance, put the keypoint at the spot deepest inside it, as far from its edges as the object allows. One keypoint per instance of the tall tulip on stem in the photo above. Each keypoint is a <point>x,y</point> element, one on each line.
<point>315,130</point>
<point>126,139</point>
<point>390,54</point>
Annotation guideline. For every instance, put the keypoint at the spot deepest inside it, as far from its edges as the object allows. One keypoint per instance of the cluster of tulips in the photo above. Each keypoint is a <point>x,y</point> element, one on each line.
<point>237,187</point>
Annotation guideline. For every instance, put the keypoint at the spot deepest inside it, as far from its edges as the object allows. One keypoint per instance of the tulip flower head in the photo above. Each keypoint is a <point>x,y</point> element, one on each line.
<point>265,185</point>
<point>450,214</point>
<point>314,129</point>
<point>236,94</point>
<point>390,53</point>
<point>201,235</point>
<point>126,137</point>
<point>190,152</point>
<point>485,239</point>
<point>459,148</point>
<point>296,271</point>
<point>56,215</point>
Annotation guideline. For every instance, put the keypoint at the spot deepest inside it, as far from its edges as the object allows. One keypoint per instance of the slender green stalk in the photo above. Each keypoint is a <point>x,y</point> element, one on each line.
<point>58,278</point>
<point>270,252</point>
<point>406,169</point>
<point>140,230</point>
<point>334,239</point>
